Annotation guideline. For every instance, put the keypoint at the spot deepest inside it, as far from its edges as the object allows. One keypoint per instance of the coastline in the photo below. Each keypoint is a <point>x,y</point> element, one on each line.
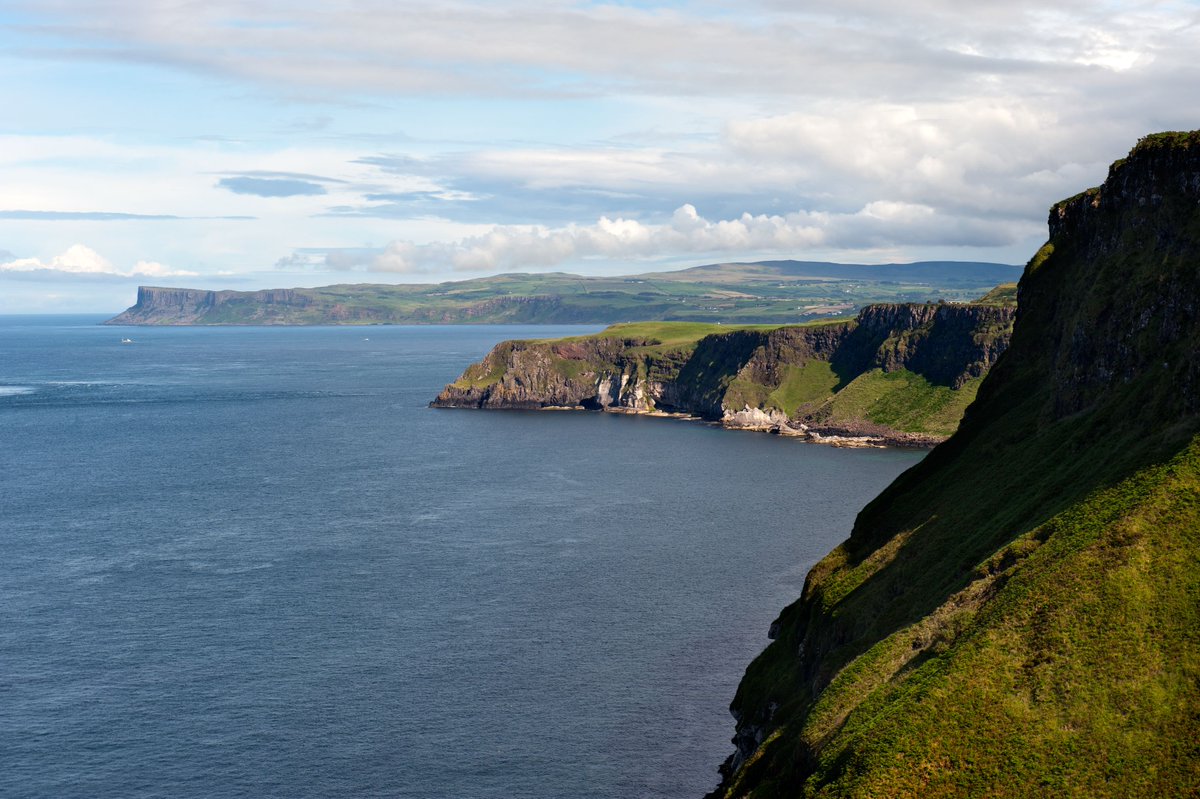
<point>845,437</point>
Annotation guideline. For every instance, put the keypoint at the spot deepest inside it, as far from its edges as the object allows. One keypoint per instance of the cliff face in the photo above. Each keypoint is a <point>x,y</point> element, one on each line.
<point>191,306</point>
<point>154,302</point>
<point>1016,615</point>
<point>532,374</point>
<point>948,344</point>
<point>785,380</point>
<point>1147,207</point>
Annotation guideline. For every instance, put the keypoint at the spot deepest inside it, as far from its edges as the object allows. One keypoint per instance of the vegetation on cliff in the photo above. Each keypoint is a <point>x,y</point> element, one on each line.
<point>1004,294</point>
<point>1019,614</point>
<point>765,292</point>
<point>896,373</point>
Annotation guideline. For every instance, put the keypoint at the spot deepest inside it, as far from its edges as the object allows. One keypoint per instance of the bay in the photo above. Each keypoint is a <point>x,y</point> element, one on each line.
<point>252,562</point>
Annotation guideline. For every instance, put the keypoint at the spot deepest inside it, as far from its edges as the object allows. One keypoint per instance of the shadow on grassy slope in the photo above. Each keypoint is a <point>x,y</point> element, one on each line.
<point>971,635</point>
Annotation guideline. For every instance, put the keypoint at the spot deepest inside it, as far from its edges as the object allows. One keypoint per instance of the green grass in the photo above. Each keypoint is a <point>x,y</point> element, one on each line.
<point>487,372</point>
<point>900,400</point>
<point>1004,294</point>
<point>572,369</point>
<point>741,393</point>
<point>675,333</point>
<point>1026,624</point>
<point>1006,704</point>
<point>659,337</point>
<point>1019,614</point>
<point>667,335</point>
<point>812,382</point>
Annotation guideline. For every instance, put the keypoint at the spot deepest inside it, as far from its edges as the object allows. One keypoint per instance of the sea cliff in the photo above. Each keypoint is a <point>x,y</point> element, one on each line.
<point>897,374</point>
<point>1017,615</point>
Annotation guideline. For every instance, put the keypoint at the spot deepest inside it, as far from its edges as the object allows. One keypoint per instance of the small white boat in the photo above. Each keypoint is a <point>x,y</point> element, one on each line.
<point>126,341</point>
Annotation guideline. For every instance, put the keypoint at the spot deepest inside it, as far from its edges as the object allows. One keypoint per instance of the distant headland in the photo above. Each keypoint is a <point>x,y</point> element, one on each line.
<point>896,374</point>
<point>764,292</point>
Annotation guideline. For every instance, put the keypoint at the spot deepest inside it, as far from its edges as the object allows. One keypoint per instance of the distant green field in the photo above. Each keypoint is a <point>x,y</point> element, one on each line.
<point>1004,294</point>
<point>776,292</point>
<point>665,336</point>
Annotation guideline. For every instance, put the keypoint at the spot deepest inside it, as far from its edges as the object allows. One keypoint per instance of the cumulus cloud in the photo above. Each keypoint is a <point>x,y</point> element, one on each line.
<point>975,156</point>
<point>79,260</point>
<point>795,127</point>
<point>533,247</point>
<point>999,154</point>
<point>977,173</point>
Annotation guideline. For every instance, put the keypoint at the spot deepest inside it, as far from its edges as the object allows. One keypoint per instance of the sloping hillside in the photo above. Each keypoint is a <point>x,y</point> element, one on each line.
<point>1019,614</point>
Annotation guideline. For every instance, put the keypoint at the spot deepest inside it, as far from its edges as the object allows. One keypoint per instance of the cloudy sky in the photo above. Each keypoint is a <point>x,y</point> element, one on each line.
<point>228,144</point>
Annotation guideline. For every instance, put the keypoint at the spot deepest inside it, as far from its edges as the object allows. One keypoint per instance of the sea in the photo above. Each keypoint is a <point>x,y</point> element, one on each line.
<point>251,562</point>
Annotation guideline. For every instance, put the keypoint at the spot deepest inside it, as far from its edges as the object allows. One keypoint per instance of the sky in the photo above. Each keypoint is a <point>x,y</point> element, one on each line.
<point>217,144</point>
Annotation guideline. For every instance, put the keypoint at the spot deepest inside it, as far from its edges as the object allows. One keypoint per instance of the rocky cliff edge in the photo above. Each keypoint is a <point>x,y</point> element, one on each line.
<point>897,374</point>
<point>1016,616</point>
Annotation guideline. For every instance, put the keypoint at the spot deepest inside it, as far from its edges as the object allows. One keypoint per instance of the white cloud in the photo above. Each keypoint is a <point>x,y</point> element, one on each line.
<point>155,269</point>
<point>534,247</point>
<point>868,126</point>
<point>520,47</point>
<point>81,260</point>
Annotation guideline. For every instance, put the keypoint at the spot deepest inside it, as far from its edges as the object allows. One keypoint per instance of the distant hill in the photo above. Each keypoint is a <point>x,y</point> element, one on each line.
<point>745,293</point>
<point>942,273</point>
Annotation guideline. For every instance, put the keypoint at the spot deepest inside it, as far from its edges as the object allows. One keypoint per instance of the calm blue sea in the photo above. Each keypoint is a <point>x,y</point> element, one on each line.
<point>252,562</point>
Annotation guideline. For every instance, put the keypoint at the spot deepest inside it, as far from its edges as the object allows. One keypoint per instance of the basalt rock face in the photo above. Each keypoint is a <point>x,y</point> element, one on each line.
<point>741,377</point>
<point>1148,205</point>
<point>702,384</point>
<point>154,303</point>
<point>533,374</point>
<point>187,306</point>
<point>336,305</point>
<point>948,344</point>
<point>1016,615</point>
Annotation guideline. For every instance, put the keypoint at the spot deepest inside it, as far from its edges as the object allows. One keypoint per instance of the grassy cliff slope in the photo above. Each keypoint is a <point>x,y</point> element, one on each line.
<point>1019,614</point>
<point>897,373</point>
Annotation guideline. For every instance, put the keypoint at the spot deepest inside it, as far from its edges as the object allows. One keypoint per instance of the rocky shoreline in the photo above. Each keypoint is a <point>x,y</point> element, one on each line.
<point>863,437</point>
<point>857,436</point>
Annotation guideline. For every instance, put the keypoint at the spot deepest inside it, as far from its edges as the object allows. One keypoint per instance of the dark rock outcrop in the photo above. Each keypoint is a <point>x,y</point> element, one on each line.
<point>948,344</point>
